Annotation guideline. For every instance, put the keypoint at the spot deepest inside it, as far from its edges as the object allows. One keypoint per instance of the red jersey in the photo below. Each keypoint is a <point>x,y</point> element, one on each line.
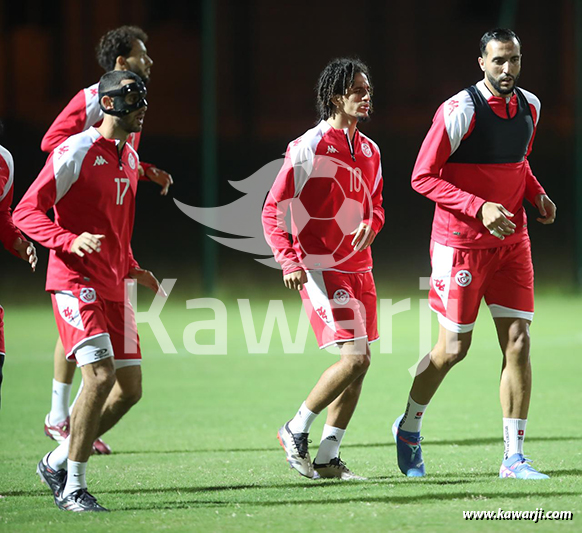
<point>460,189</point>
<point>8,231</point>
<point>81,113</point>
<point>331,184</point>
<point>92,189</point>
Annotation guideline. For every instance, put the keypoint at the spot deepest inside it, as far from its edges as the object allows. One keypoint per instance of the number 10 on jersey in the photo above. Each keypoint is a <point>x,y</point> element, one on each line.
<point>122,183</point>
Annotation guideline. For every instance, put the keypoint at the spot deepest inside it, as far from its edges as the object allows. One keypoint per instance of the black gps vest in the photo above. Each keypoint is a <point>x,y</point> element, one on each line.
<point>495,139</point>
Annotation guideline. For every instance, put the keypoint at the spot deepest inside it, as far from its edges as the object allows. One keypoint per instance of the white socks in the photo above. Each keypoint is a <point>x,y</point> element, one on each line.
<point>412,419</point>
<point>75,477</point>
<point>331,439</point>
<point>303,420</point>
<point>59,402</point>
<point>513,436</point>
<point>57,459</point>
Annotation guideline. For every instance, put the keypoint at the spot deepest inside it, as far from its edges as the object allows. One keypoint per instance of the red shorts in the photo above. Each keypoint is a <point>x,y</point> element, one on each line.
<point>462,277</point>
<point>2,347</point>
<point>83,316</point>
<point>341,307</point>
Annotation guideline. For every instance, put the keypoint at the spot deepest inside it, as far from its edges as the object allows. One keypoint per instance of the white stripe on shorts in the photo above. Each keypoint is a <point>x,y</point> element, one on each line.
<point>317,293</point>
<point>68,307</point>
<point>499,311</point>
<point>442,267</point>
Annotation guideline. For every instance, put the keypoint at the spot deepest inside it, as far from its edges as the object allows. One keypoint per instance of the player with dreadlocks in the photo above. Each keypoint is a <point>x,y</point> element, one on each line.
<point>331,181</point>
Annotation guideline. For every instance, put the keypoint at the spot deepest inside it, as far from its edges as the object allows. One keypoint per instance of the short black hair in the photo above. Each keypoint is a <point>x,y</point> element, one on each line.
<point>335,79</point>
<point>112,80</point>
<point>498,34</point>
<point>117,42</point>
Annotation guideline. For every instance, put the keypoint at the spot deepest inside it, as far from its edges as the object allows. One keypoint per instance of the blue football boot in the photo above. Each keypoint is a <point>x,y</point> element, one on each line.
<point>518,467</point>
<point>408,451</point>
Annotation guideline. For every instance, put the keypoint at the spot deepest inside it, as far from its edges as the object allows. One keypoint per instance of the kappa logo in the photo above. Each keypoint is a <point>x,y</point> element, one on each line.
<point>439,284</point>
<point>68,313</point>
<point>322,313</point>
<point>463,278</point>
<point>332,150</point>
<point>131,161</point>
<point>63,150</point>
<point>94,91</point>
<point>453,104</point>
<point>100,160</point>
<point>366,150</point>
<point>88,295</point>
<point>341,297</point>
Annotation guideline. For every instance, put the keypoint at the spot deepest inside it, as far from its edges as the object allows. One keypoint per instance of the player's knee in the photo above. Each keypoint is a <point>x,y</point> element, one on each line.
<point>359,364</point>
<point>101,379</point>
<point>518,346</point>
<point>449,356</point>
<point>134,395</point>
<point>130,393</point>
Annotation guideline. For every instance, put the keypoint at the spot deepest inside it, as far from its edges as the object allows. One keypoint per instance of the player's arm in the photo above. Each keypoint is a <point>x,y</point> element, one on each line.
<point>144,277</point>
<point>11,237</point>
<point>275,228</point>
<point>443,138</point>
<point>149,172</point>
<point>373,221</point>
<point>70,121</point>
<point>437,147</point>
<point>30,214</point>
<point>534,192</point>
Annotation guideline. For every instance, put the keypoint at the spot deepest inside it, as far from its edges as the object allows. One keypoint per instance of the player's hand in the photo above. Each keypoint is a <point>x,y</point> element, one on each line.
<point>295,280</point>
<point>147,279</point>
<point>27,251</point>
<point>161,177</point>
<point>496,219</point>
<point>86,242</point>
<point>547,209</point>
<point>364,236</point>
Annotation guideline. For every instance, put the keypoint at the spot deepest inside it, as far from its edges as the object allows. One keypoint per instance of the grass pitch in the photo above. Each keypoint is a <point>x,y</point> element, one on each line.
<point>199,453</point>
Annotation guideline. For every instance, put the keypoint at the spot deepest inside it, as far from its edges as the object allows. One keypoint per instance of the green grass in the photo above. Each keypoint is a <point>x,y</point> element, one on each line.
<point>199,453</point>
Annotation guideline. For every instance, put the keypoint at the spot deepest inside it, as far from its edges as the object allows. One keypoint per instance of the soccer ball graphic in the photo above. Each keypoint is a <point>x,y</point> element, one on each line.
<point>321,224</point>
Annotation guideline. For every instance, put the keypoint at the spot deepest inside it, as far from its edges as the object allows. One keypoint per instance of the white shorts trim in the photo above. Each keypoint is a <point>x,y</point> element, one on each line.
<point>83,341</point>
<point>341,341</point>
<point>93,350</point>
<point>453,326</point>
<point>499,311</point>
<point>122,363</point>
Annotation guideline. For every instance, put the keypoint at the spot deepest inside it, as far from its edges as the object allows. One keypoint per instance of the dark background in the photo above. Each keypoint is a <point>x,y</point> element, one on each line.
<point>269,57</point>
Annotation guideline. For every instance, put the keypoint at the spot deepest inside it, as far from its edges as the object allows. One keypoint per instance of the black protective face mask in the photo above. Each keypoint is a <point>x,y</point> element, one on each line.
<point>127,99</point>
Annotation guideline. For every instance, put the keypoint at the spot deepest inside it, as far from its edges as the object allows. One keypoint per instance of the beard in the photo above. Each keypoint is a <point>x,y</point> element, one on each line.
<point>129,125</point>
<point>496,84</point>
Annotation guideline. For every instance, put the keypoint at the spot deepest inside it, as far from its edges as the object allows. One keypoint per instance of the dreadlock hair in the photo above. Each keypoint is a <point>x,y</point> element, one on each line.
<point>335,80</point>
<point>503,35</point>
<point>117,42</point>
